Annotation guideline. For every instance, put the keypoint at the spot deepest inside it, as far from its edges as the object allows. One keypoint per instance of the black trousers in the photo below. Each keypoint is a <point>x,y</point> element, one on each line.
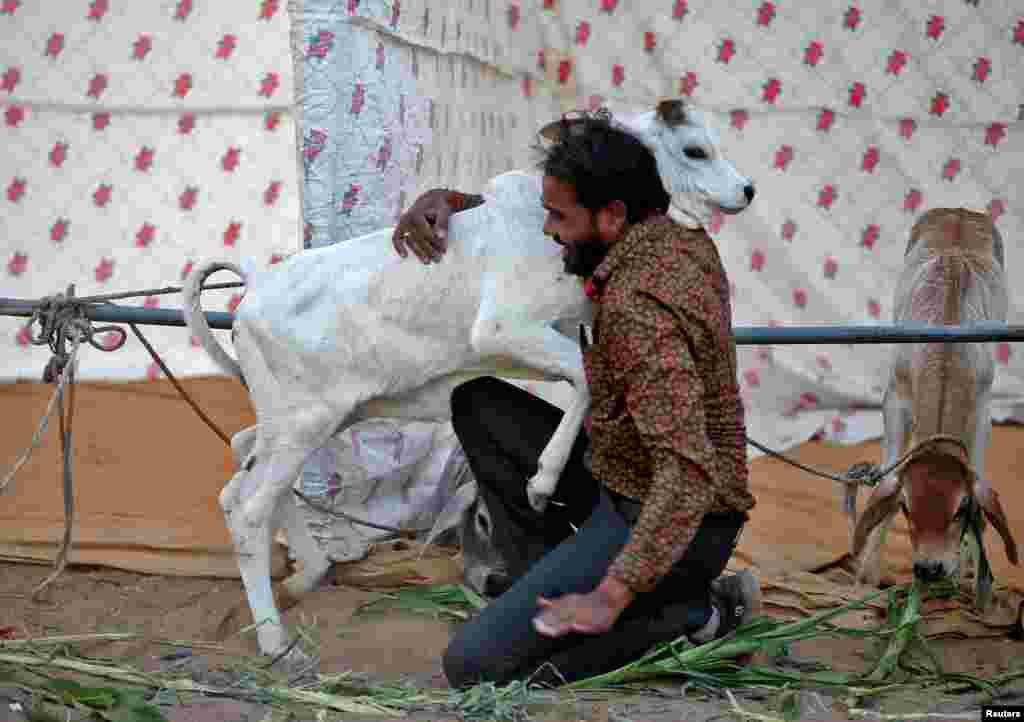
<point>502,430</point>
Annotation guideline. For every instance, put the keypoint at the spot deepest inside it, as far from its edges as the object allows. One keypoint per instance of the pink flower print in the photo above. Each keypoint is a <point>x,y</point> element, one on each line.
<point>151,302</point>
<point>182,85</point>
<point>830,268</point>
<point>896,61</point>
<point>272,192</point>
<point>738,119</point>
<point>358,98</point>
<point>13,116</point>
<point>771,90</point>
<point>564,70</point>
<point>757,260</point>
<point>142,46</point>
<point>272,120</point>
<point>97,85</point>
<point>187,199</point>
<point>10,79</point>
<point>101,196</point>
<point>783,156</point>
<point>18,263</point>
<point>982,69</point>
<point>827,196</point>
<point>618,75</point>
<point>752,378</point>
<point>852,17</point>
<point>1003,353</point>
<point>726,50</point>
<point>935,27</point>
<point>679,9</point>
<point>100,121</point>
<point>111,340</point>
<point>996,207</point>
<point>688,84</point>
<point>874,308</point>
<point>58,154</point>
<point>765,14</point>
<point>838,425</point>
<point>229,161</point>
<point>275,258</point>
<point>7,7</point>
<point>870,159</point>
<point>513,15</point>
<point>268,8</point>
<point>800,298</point>
<point>939,104</point>
<point>54,45</point>
<point>144,159</point>
<point>16,189</point>
<point>824,362</point>
<point>59,230</point>
<point>825,119</point>
<point>348,201</point>
<point>951,169</point>
<point>814,52</point>
<point>269,84</point>
<point>183,9</point>
<point>24,336</point>
<point>97,9</point>
<point>869,236</point>
<point>187,269</point>
<point>858,91</point>
<point>231,233</point>
<point>995,133</point>
<point>145,235</point>
<point>788,230</point>
<point>912,201</point>
<point>104,270</point>
<point>225,46</point>
<point>907,128</point>
<point>186,123</point>
<point>650,41</point>
<point>235,299</point>
<point>153,371</point>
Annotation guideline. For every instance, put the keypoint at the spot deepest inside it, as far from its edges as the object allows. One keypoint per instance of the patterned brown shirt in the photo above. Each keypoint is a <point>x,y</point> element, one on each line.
<point>667,425</point>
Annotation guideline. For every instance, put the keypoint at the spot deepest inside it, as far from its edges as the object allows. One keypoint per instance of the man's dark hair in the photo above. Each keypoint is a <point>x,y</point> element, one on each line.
<point>605,164</point>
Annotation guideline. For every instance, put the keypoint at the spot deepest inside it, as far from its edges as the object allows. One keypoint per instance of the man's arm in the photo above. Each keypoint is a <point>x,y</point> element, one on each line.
<point>423,228</point>
<point>651,349</point>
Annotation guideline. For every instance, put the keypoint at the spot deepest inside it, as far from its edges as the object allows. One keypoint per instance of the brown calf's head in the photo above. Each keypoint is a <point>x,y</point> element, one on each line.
<point>938,493</point>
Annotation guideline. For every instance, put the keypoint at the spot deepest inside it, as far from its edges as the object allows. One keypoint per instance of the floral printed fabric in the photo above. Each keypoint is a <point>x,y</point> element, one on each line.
<point>667,422</point>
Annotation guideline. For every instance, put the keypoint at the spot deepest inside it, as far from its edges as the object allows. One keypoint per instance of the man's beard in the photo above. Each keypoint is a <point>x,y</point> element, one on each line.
<point>583,257</point>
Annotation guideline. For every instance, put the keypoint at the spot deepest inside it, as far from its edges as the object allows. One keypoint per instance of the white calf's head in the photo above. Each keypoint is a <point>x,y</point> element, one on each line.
<point>690,160</point>
<point>693,170</point>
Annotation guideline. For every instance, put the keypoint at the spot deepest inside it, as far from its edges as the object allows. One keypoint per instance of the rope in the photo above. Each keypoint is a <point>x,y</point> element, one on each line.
<point>865,473</point>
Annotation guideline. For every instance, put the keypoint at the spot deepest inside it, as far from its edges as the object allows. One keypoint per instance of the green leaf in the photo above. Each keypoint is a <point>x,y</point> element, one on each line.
<point>790,706</point>
<point>74,693</point>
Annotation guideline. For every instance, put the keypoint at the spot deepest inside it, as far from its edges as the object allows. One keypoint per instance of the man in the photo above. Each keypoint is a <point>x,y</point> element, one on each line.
<point>651,503</point>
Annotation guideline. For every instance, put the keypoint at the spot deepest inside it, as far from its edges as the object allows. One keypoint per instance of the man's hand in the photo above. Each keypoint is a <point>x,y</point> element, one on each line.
<point>591,613</point>
<point>424,227</point>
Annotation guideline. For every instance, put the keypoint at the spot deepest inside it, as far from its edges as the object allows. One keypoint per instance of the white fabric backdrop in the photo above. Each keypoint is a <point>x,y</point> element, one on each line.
<point>852,120</point>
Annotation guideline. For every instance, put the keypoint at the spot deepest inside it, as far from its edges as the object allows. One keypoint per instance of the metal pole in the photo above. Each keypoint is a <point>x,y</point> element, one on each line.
<point>744,335</point>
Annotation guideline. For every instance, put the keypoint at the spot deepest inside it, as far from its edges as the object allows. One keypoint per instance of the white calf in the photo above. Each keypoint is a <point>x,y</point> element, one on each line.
<point>350,331</point>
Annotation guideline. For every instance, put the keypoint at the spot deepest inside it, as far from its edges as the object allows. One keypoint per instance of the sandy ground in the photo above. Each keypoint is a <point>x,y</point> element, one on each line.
<point>148,523</point>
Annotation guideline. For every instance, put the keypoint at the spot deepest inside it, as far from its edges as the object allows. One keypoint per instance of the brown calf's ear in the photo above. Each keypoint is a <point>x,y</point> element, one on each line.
<point>988,499</point>
<point>884,502</point>
<point>672,112</point>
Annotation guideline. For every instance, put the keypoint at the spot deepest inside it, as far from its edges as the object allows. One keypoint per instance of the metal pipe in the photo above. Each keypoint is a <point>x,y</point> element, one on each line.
<point>744,335</point>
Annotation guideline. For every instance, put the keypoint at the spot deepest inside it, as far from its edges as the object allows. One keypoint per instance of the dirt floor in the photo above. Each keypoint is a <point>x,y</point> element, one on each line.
<point>161,561</point>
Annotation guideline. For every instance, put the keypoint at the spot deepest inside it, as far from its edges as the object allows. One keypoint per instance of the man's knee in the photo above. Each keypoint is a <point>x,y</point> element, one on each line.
<point>463,668</point>
<point>469,398</point>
